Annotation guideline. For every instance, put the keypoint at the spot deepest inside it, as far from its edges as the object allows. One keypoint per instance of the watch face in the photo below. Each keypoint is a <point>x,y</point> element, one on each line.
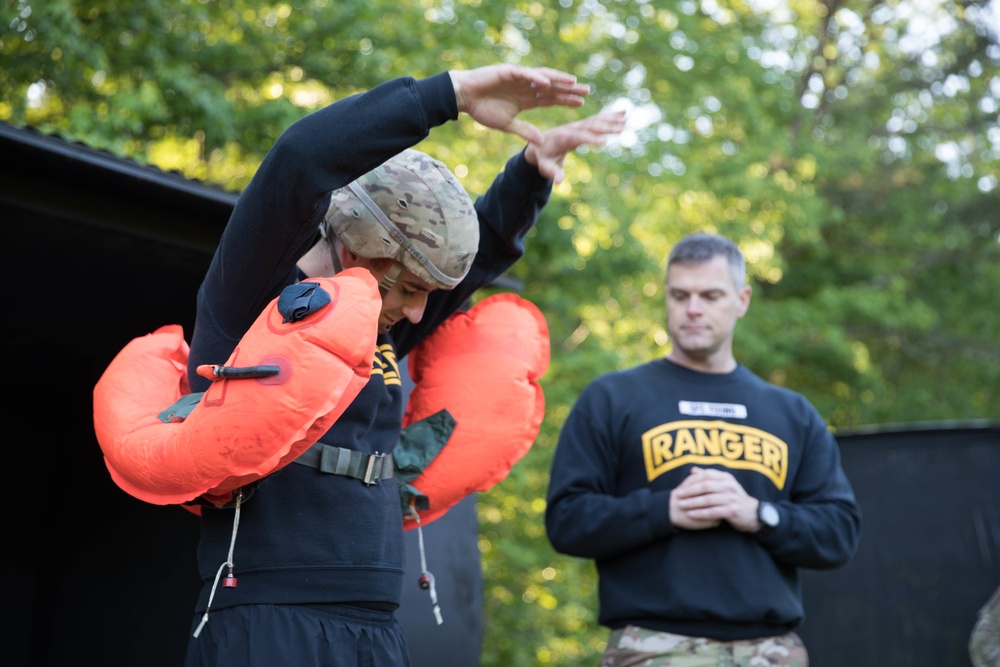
<point>768,515</point>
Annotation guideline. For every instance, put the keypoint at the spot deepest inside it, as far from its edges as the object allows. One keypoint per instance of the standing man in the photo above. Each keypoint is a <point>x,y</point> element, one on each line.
<point>699,489</point>
<point>319,554</point>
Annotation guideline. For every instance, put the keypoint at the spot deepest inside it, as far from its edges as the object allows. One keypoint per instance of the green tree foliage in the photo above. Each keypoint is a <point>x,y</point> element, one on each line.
<point>850,147</point>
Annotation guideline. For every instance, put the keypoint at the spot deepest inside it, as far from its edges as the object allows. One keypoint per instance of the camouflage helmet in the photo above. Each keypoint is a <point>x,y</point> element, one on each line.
<point>413,210</point>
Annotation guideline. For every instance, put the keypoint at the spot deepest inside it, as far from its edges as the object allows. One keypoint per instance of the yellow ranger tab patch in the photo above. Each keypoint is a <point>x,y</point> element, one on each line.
<point>700,442</point>
<point>386,365</point>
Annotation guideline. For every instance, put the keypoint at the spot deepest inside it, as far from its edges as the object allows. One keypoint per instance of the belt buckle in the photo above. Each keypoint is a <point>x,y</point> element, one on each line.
<point>373,473</point>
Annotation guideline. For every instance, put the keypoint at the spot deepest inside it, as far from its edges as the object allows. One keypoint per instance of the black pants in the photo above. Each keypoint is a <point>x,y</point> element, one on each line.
<point>276,635</point>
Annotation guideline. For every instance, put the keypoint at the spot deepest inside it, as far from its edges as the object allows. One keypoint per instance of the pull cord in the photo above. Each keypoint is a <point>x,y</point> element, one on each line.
<point>426,580</point>
<point>230,580</point>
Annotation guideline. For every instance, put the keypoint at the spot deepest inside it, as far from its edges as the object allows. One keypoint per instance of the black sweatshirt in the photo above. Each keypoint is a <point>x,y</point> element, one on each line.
<point>633,435</point>
<point>306,537</point>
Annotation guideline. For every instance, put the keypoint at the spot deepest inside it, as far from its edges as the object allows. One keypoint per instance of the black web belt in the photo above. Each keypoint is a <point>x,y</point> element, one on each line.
<point>369,468</point>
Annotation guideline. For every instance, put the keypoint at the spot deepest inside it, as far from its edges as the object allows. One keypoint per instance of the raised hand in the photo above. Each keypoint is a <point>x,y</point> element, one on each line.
<point>496,94</point>
<point>549,154</point>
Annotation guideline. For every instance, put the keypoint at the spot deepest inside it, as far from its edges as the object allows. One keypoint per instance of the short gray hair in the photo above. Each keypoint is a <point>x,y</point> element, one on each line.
<point>702,246</point>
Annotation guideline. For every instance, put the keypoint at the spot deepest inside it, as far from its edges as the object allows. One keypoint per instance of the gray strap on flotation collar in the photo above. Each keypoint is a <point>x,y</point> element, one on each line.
<point>369,468</point>
<point>181,408</point>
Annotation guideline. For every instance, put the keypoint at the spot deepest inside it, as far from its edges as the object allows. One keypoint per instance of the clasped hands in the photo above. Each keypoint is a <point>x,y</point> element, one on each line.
<point>707,497</point>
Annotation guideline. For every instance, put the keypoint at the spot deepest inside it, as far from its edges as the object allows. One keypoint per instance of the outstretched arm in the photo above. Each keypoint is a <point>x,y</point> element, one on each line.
<point>549,154</point>
<point>494,95</point>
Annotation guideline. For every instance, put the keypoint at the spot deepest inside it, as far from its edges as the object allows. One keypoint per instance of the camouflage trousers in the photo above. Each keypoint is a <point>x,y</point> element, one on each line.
<point>984,643</point>
<point>632,646</point>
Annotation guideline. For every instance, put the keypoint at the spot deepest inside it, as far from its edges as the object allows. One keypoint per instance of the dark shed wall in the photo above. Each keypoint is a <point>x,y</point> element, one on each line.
<point>930,552</point>
<point>97,572</point>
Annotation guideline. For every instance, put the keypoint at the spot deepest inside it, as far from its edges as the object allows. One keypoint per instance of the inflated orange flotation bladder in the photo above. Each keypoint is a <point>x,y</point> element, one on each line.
<point>483,367</point>
<point>242,429</point>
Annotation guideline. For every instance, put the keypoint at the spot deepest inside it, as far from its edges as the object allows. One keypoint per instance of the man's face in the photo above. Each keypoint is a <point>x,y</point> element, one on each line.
<point>405,300</point>
<point>703,305</point>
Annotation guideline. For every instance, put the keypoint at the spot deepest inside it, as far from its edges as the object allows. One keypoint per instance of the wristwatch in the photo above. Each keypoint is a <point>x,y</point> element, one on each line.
<point>768,516</point>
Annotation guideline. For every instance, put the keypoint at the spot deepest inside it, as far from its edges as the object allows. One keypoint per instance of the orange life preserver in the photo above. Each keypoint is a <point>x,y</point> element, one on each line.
<point>483,367</point>
<point>243,429</point>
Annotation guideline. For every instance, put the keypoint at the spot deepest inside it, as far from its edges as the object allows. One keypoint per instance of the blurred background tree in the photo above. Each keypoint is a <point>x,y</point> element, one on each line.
<point>850,147</point>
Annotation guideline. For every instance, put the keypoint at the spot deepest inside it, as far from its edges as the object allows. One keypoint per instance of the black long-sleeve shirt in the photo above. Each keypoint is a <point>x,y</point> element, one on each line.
<point>306,537</point>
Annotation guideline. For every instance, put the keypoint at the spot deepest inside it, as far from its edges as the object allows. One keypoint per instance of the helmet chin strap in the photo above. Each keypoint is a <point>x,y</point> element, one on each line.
<point>389,279</point>
<point>331,242</point>
<point>387,282</point>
